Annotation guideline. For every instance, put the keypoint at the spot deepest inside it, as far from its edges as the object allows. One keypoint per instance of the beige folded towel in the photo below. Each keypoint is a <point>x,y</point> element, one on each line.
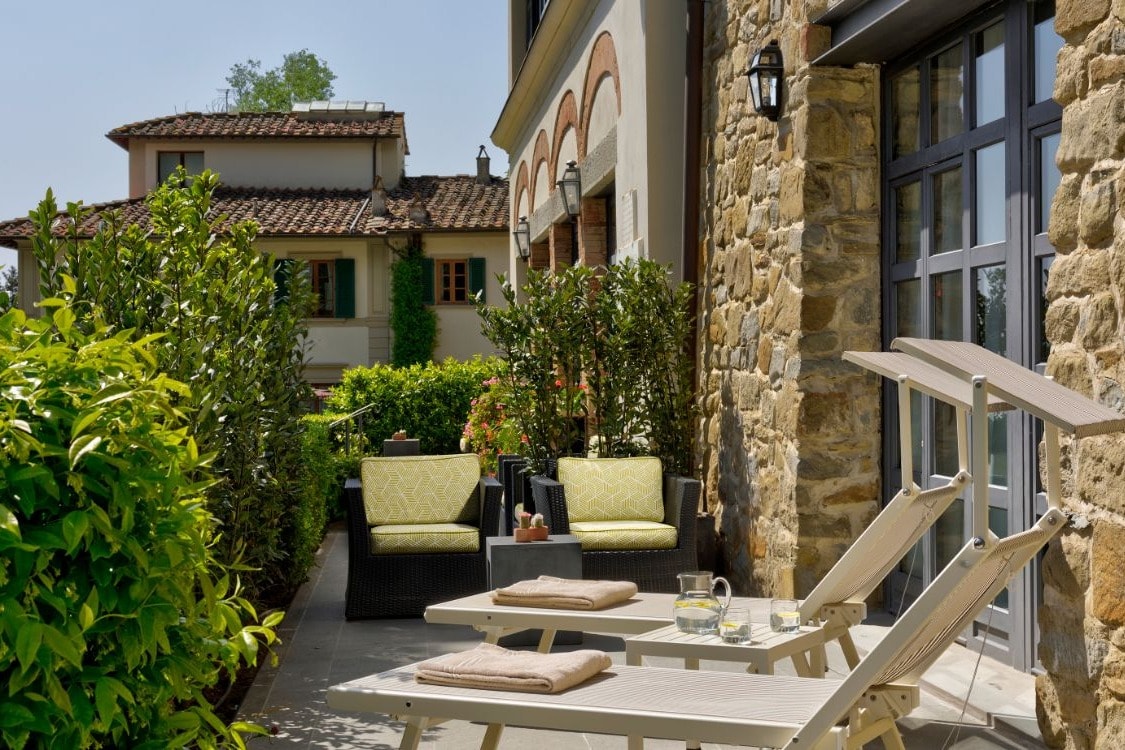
<point>565,593</point>
<point>495,668</point>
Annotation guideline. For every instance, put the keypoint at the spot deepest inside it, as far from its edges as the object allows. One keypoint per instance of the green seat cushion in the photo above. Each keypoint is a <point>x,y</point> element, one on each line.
<point>618,535</point>
<point>421,489</point>
<point>613,489</point>
<point>418,538</point>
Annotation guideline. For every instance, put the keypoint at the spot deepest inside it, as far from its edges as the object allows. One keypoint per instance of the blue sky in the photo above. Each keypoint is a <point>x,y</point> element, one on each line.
<point>73,71</point>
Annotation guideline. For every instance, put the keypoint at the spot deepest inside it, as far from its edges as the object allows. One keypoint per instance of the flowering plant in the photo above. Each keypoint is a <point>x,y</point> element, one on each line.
<point>490,431</point>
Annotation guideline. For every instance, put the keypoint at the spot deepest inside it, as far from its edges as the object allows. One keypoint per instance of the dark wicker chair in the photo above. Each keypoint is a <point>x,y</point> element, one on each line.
<point>653,570</point>
<point>403,585</point>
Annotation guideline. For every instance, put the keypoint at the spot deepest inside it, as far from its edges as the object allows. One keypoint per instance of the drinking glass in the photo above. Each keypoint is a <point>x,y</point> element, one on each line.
<point>734,626</point>
<point>784,616</point>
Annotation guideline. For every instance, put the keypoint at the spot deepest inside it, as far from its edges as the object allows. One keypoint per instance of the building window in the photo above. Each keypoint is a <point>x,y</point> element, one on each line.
<point>535,10</point>
<point>332,281</point>
<point>167,161</point>
<point>453,281</point>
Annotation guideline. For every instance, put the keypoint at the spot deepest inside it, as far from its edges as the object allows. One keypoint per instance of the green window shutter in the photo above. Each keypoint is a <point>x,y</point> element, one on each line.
<point>282,277</point>
<point>427,281</point>
<point>345,288</point>
<point>476,277</point>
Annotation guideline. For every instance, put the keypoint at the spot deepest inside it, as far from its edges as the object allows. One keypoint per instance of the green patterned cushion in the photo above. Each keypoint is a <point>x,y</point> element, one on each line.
<point>420,489</point>
<point>613,489</point>
<point>594,535</point>
<point>416,538</point>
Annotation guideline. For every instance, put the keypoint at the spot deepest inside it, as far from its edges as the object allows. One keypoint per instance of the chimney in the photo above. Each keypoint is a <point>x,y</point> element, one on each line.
<point>378,198</point>
<point>484,174</point>
<point>418,212</point>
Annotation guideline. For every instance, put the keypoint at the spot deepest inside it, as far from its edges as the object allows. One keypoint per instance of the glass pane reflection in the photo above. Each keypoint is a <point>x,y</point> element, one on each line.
<point>1044,344</point>
<point>905,102</point>
<point>991,195</point>
<point>998,525</point>
<point>990,309</point>
<point>947,88</point>
<point>1049,177</point>
<point>998,449</point>
<point>908,308</point>
<point>989,66</point>
<point>908,222</point>
<point>945,439</point>
<point>949,533</point>
<point>947,211</point>
<point>1047,44</point>
<point>947,306</point>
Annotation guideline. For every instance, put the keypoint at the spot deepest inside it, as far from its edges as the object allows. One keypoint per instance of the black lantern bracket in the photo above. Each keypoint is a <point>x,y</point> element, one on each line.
<point>767,79</point>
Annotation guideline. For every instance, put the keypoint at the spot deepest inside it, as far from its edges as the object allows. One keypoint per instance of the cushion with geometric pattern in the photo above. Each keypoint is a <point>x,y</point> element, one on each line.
<point>613,489</point>
<point>420,489</point>
<point>420,538</point>
<point>618,535</point>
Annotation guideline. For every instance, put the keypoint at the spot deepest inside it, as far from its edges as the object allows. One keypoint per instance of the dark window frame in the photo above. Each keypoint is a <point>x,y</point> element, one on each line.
<point>181,161</point>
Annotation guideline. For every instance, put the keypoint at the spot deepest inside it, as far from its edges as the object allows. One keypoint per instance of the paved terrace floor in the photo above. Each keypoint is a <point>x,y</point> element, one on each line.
<point>320,648</point>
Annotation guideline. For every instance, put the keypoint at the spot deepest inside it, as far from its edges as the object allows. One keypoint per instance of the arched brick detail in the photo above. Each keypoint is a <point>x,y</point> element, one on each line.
<point>522,183</point>
<point>602,63</point>
<point>541,152</point>
<point>565,117</point>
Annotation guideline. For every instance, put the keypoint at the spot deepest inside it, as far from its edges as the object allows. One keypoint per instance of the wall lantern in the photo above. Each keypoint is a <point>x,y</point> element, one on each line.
<point>571,187</point>
<point>767,73</point>
<point>523,238</point>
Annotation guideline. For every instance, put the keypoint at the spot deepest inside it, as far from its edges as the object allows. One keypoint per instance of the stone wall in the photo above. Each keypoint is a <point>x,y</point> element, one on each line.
<point>1081,699</point>
<point>790,435</point>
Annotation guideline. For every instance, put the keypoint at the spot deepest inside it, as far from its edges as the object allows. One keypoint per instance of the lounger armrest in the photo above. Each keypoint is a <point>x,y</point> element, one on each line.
<point>549,498</point>
<point>490,492</point>
<point>681,504</point>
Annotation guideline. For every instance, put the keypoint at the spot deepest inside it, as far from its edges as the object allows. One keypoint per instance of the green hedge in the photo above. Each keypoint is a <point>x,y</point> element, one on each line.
<point>116,617</point>
<point>430,401</point>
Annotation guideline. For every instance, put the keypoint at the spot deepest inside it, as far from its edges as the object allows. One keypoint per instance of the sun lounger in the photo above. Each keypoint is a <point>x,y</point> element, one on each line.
<point>725,707</point>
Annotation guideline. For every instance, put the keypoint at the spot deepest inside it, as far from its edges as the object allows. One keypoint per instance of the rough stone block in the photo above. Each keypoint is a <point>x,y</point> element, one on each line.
<point>1098,323</point>
<point>1107,572</point>
<point>1091,129</point>
<point>1062,230</point>
<point>1101,480</point>
<point>1096,211</point>
<point>1073,17</point>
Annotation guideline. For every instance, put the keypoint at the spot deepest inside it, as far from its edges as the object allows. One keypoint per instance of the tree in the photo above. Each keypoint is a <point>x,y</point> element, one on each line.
<point>302,76</point>
<point>9,284</point>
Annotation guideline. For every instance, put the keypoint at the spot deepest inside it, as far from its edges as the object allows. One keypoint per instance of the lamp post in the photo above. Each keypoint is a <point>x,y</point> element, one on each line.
<point>570,185</point>
<point>522,235</point>
<point>767,75</point>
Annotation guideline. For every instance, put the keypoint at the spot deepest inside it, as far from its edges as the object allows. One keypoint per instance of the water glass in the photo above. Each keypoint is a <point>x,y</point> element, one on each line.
<point>734,626</point>
<point>784,616</point>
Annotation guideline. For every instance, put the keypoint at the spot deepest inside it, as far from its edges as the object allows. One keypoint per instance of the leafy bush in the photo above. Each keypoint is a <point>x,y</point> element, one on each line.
<point>210,293</point>
<point>413,323</point>
<point>326,467</point>
<point>430,401</point>
<point>622,334</point>
<point>115,615</point>
<point>490,432</point>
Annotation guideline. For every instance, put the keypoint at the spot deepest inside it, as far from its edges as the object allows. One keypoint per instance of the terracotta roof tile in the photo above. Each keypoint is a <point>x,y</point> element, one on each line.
<point>260,125</point>
<point>453,204</point>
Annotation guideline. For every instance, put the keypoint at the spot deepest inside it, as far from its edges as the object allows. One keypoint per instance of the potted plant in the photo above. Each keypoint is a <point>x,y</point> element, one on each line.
<point>531,528</point>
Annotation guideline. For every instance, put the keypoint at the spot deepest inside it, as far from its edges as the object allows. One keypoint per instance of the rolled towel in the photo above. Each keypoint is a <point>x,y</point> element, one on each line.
<point>565,593</point>
<point>492,667</point>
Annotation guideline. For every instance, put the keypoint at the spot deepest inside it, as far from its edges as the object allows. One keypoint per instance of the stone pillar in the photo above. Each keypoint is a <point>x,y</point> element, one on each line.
<point>591,232</point>
<point>561,239</point>
<point>789,434</point>
<point>1081,698</point>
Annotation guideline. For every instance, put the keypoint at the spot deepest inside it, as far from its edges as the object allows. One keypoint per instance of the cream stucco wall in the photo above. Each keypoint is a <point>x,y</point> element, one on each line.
<point>459,333</point>
<point>649,39</point>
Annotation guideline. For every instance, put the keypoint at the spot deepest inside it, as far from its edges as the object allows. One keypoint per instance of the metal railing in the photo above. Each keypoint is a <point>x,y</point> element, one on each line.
<point>348,420</point>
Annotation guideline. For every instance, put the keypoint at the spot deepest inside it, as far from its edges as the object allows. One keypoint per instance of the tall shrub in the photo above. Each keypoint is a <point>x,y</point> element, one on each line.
<point>622,334</point>
<point>200,283</point>
<point>429,401</point>
<point>413,324</point>
<point>115,615</point>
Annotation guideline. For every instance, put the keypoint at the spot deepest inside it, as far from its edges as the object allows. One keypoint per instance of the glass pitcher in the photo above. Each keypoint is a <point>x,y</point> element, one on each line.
<point>697,609</point>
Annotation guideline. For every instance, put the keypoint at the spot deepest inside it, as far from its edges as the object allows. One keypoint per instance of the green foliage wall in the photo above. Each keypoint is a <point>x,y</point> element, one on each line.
<point>622,334</point>
<point>210,295</point>
<point>413,324</point>
<point>430,401</point>
<point>115,615</point>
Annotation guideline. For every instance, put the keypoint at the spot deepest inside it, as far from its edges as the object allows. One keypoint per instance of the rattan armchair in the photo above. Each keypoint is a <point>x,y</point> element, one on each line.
<point>403,584</point>
<point>652,570</point>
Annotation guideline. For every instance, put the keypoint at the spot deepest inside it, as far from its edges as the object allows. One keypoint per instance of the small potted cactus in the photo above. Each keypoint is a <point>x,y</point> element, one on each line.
<point>531,528</point>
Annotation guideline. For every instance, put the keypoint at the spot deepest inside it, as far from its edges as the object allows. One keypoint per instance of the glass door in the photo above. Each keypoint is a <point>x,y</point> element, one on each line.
<point>969,172</point>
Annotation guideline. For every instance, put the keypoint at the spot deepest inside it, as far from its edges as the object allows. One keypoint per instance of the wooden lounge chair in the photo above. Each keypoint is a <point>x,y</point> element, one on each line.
<point>730,707</point>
